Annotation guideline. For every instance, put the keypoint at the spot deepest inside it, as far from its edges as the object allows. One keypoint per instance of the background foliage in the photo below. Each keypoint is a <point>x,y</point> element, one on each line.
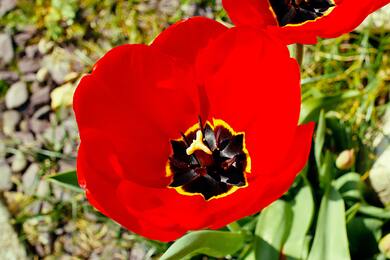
<point>331,212</point>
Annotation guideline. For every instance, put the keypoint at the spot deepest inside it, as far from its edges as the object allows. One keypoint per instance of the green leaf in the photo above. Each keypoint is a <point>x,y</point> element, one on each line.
<point>326,171</point>
<point>67,180</point>
<point>211,243</point>
<point>320,138</point>
<point>272,230</point>
<point>349,185</point>
<point>330,240</point>
<point>375,212</point>
<point>303,212</point>
<point>311,107</point>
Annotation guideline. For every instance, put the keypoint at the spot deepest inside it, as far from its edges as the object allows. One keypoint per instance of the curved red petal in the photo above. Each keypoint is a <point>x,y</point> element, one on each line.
<point>254,86</point>
<point>249,12</point>
<point>184,39</point>
<point>268,188</point>
<point>345,17</point>
<point>104,192</point>
<point>142,98</point>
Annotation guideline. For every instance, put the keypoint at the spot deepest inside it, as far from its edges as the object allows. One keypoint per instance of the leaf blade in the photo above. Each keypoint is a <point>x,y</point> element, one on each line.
<point>212,243</point>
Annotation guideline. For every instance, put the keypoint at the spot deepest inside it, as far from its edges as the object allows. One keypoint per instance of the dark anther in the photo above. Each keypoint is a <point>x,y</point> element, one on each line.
<point>215,168</point>
<point>299,11</point>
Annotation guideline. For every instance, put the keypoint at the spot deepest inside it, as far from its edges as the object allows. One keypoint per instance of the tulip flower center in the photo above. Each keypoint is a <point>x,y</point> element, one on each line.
<point>209,160</point>
<point>290,12</point>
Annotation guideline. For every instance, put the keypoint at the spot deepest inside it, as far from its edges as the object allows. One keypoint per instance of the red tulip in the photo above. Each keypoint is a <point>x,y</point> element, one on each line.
<point>302,21</point>
<point>195,131</point>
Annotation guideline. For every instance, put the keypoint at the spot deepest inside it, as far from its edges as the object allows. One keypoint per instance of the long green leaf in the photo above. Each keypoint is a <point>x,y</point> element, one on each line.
<point>303,213</point>
<point>326,171</point>
<point>350,186</point>
<point>330,240</point>
<point>320,138</point>
<point>272,230</point>
<point>311,107</point>
<point>67,180</point>
<point>212,243</point>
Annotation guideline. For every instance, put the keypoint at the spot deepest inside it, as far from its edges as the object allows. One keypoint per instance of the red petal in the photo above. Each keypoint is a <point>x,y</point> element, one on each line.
<point>96,162</point>
<point>268,187</point>
<point>345,17</point>
<point>141,98</point>
<point>254,86</point>
<point>184,39</point>
<point>249,12</point>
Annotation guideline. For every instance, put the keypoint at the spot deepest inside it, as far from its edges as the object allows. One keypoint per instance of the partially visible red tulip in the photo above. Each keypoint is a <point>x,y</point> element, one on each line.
<point>195,131</point>
<point>302,21</point>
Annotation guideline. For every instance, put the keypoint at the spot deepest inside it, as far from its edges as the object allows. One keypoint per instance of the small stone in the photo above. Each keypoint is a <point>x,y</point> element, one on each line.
<point>66,165</point>
<point>6,49</point>
<point>43,189</point>
<point>41,96</point>
<point>31,50</point>
<point>16,95</point>
<point>58,64</point>
<point>380,180</point>
<point>27,65</point>
<point>10,247</point>
<point>3,149</point>
<point>24,125</point>
<point>6,5</point>
<point>8,75</point>
<point>41,112</point>
<point>38,126</point>
<point>25,138</point>
<point>62,96</point>
<point>168,7</point>
<point>10,119</point>
<point>44,46</point>
<point>5,176</point>
<point>23,37</point>
<point>55,136</point>
<point>30,179</point>
<point>42,74</point>
<point>19,162</point>
<point>29,77</point>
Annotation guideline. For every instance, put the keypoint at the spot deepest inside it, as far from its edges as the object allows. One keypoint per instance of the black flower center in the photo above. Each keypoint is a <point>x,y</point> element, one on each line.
<point>211,161</point>
<point>299,11</point>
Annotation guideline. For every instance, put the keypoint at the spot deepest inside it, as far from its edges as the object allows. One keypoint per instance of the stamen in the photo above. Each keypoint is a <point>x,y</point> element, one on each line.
<point>208,160</point>
<point>198,145</point>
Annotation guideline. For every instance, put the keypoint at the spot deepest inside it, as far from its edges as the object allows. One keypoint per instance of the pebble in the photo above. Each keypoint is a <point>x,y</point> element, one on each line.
<point>10,247</point>
<point>27,65</point>
<point>58,64</point>
<point>5,176</point>
<point>8,75</point>
<point>41,112</point>
<point>38,126</point>
<point>10,119</point>
<point>42,74</point>
<point>6,5</point>
<point>19,162</point>
<point>6,49</point>
<point>43,189</point>
<point>16,95</point>
<point>41,96</point>
<point>30,179</point>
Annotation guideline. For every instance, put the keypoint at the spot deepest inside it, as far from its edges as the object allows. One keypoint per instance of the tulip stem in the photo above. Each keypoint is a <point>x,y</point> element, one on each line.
<point>234,227</point>
<point>299,52</point>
